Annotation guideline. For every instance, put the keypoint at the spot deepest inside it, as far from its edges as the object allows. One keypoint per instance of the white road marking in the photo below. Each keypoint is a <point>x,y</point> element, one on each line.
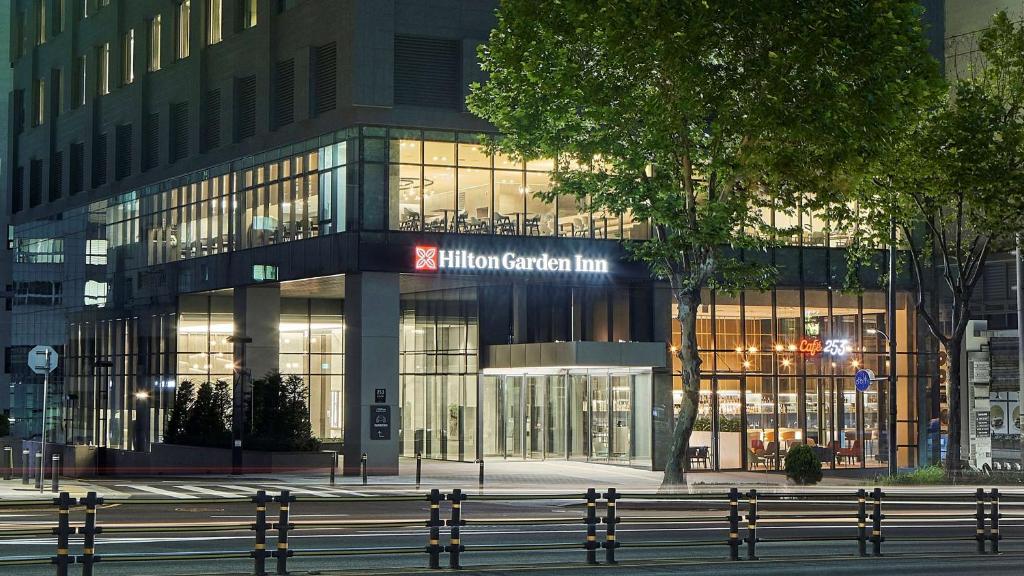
<point>210,492</point>
<point>158,491</point>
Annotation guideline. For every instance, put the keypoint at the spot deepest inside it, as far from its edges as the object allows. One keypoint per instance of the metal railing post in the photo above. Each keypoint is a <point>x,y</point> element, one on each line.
<point>362,467</point>
<point>434,547</point>
<point>8,463</point>
<point>979,519</point>
<point>590,544</point>
<point>282,526</point>
<point>734,524</point>
<point>610,520</point>
<point>455,546</point>
<point>41,469</point>
<point>480,479</point>
<point>334,466</point>
<point>994,534</point>
<point>259,552</point>
<point>751,524</point>
<point>89,530</point>
<point>419,468</point>
<point>876,522</point>
<point>63,532</point>
<point>24,466</point>
<point>862,523</point>
<point>55,473</point>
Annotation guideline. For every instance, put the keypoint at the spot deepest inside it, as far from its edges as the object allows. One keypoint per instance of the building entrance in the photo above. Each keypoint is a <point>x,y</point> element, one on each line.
<point>594,415</point>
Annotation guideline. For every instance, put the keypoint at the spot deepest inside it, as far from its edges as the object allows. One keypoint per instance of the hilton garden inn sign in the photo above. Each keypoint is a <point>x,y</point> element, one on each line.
<point>434,259</point>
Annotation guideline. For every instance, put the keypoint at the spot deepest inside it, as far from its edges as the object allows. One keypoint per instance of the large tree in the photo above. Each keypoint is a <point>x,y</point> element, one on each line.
<point>694,114</point>
<point>954,185</point>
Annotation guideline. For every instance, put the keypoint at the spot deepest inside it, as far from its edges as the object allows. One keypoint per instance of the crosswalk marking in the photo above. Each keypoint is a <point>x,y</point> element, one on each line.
<point>158,491</point>
<point>239,488</point>
<point>210,492</point>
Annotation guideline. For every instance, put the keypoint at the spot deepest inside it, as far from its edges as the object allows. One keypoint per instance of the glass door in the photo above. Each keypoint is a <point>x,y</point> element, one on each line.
<point>600,412</point>
<point>579,416</point>
<point>534,422</point>
<point>556,416</point>
<point>513,411</point>
<point>729,423</point>
<point>621,418</point>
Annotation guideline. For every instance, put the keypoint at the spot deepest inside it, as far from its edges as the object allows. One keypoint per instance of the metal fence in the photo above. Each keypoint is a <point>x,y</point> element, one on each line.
<point>860,514</point>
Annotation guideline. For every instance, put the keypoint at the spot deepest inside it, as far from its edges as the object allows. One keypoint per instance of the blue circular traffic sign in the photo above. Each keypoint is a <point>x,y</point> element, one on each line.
<point>863,379</point>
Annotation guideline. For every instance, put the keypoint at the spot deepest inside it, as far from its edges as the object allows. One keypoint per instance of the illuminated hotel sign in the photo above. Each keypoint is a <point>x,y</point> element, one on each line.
<point>434,259</point>
<point>814,346</point>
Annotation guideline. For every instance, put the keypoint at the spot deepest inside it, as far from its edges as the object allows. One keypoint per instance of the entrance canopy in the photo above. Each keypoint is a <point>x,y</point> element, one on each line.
<point>555,356</point>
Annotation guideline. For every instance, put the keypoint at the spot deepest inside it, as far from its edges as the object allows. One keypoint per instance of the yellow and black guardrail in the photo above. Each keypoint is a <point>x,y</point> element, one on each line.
<point>860,512</point>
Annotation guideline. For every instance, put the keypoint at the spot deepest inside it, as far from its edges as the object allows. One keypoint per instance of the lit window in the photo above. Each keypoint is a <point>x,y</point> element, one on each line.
<point>154,44</point>
<point>214,21</point>
<point>58,16</point>
<point>128,57</point>
<point>103,71</point>
<point>184,15</point>
<point>250,13</point>
<point>40,21</point>
<point>85,8</point>
<point>40,101</point>
<point>96,252</point>
<point>82,77</point>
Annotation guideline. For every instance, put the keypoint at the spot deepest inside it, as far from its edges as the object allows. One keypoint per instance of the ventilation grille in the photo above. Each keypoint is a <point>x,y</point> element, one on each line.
<point>99,161</point>
<point>77,179</point>
<point>211,123</point>
<point>56,176</point>
<point>179,131</point>
<point>427,72</point>
<point>35,183</point>
<point>151,142</point>
<point>284,107</point>
<point>245,90</point>
<point>123,152</point>
<point>325,78</point>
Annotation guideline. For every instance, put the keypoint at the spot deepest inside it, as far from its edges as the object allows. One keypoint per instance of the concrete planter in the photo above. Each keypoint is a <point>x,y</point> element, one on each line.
<point>173,459</point>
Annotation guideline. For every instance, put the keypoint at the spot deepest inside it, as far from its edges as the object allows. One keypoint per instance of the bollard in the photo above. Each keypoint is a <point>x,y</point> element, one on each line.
<point>334,466</point>
<point>480,480</point>
<point>590,545</point>
<point>89,530</point>
<point>994,534</point>
<point>751,524</point>
<point>734,524</point>
<point>362,467</point>
<point>8,462</point>
<point>41,469</point>
<point>434,547</point>
<point>282,526</point>
<point>455,546</point>
<point>63,532</point>
<point>259,552</point>
<point>876,522</point>
<point>862,523</point>
<point>979,518</point>
<point>24,466</point>
<point>610,520</point>
<point>55,473</point>
<point>419,468</point>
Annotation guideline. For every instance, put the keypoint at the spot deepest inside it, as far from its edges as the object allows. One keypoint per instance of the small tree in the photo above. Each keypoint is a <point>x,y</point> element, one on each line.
<point>207,422</point>
<point>802,465</point>
<point>694,115</point>
<point>955,187</point>
<point>281,415</point>
<point>174,431</point>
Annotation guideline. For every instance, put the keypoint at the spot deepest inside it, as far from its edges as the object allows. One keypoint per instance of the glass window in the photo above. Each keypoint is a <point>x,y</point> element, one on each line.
<point>572,221</point>
<point>40,115</point>
<point>509,201</point>
<point>128,57</point>
<point>474,155</point>
<point>184,28</point>
<point>214,21</point>
<point>438,198</point>
<point>154,43</point>
<point>540,214</point>
<point>474,200</point>
<point>103,72</point>
<point>41,22</point>
<point>250,13</point>
<point>439,153</point>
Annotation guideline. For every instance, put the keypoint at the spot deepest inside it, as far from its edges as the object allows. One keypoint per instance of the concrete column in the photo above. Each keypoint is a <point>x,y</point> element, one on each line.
<point>257,315</point>
<point>520,314</point>
<point>663,380</point>
<point>371,366</point>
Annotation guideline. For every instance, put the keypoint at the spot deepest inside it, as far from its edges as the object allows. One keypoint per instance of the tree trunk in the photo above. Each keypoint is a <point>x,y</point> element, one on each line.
<point>953,350</point>
<point>678,464</point>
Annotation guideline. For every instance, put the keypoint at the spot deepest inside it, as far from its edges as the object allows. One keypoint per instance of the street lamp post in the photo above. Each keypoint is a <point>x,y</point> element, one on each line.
<point>237,411</point>
<point>141,420</point>
<point>891,393</point>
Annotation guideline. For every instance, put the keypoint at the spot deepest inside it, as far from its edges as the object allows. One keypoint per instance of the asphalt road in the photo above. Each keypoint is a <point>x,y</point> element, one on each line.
<point>655,537</point>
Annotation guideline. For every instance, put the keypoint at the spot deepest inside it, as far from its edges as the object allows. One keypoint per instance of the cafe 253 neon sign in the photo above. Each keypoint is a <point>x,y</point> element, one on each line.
<point>835,347</point>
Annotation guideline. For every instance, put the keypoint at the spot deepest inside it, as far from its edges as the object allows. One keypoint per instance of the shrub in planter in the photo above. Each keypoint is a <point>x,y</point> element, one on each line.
<point>803,465</point>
